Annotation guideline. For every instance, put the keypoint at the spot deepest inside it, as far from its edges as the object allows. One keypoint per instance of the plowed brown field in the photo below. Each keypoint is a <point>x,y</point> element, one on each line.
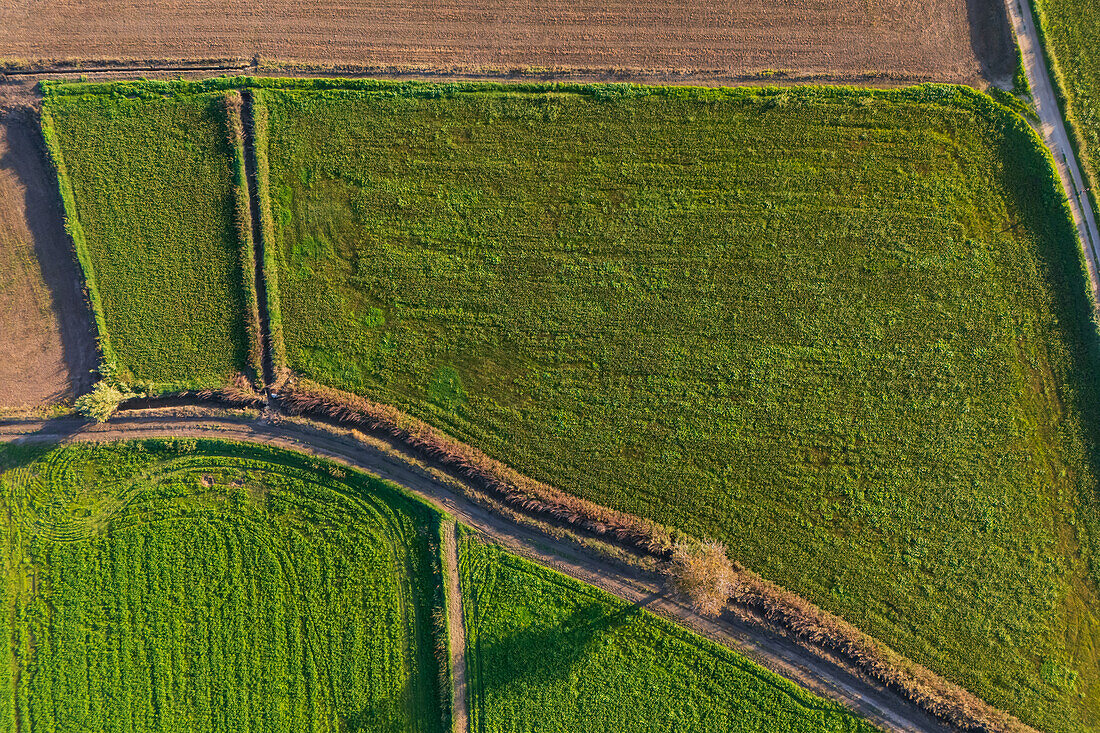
<point>941,40</point>
<point>46,343</point>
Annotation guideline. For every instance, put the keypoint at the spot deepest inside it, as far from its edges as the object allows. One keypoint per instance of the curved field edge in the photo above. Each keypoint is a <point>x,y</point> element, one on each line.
<point>1053,671</point>
<point>547,652</point>
<point>181,302</point>
<point>242,585</point>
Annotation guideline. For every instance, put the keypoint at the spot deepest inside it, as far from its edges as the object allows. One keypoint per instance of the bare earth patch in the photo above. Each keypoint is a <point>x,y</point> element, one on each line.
<point>944,40</point>
<point>46,343</point>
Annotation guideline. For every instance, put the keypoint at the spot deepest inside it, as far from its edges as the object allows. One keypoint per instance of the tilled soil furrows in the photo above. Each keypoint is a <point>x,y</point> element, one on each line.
<point>941,40</point>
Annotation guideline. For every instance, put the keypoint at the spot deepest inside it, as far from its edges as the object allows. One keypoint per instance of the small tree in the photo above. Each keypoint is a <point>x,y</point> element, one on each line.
<point>704,574</point>
<point>101,402</point>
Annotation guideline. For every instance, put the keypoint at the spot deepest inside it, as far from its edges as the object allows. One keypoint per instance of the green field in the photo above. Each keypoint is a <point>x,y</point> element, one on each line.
<point>547,653</point>
<point>149,189</point>
<point>839,330</point>
<point>1071,34</point>
<point>210,586</point>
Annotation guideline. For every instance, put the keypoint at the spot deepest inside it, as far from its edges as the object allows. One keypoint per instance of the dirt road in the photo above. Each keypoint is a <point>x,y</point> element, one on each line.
<point>945,40</point>
<point>1053,130</point>
<point>817,672</point>
<point>456,631</point>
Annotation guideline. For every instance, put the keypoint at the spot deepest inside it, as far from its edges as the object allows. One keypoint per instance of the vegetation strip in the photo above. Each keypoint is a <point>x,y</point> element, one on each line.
<point>251,246</point>
<point>256,237</point>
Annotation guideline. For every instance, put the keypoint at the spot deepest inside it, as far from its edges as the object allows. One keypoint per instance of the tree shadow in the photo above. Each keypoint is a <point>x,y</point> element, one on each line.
<point>537,657</point>
<point>26,158</point>
<point>1039,202</point>
<point>381,716</point>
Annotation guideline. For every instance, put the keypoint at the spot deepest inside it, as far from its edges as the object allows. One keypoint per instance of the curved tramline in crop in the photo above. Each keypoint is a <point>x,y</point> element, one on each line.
<point>183,583</point>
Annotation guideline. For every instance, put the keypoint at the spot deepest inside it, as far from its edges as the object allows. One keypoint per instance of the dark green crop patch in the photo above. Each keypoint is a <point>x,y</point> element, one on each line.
<point>149,190</point>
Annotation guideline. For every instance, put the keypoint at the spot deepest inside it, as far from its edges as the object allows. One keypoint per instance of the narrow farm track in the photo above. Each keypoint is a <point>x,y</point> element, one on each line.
<point>814,670</point>
<point>456,630</point>
<point>1052,128</point>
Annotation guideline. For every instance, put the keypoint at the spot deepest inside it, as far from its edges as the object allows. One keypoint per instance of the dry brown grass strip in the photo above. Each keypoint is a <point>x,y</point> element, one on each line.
<point>302,397</point>
<point>705,580</point>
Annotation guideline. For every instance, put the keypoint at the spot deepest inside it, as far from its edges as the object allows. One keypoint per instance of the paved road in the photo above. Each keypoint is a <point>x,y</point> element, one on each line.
<point>816,671</point>
<point>1053,130</point>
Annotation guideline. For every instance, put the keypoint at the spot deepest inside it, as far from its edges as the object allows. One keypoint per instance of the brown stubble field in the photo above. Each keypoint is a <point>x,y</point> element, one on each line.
<point>47,347</point>
<point>966,41</point>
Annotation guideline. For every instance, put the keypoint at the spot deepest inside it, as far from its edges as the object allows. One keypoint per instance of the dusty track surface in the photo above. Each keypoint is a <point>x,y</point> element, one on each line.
<point>456,631</point>
<point>1053,130</point>
<point>816,671</point>
<point>47,345</point>
<point>944,40</point>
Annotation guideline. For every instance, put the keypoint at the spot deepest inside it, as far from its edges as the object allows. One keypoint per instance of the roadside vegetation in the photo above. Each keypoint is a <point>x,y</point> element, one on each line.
<point>840,331</point>
<point>547,653</point>
<point>149,186</point>
<point>183,585</point>
<point>1070,31</point>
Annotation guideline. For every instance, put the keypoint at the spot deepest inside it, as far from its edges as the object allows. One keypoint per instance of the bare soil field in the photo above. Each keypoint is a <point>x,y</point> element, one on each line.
<point>46,343</point>
<point>965,41</point>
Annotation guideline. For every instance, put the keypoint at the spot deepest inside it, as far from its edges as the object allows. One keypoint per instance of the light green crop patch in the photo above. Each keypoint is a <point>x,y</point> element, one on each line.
<point>211,586</point>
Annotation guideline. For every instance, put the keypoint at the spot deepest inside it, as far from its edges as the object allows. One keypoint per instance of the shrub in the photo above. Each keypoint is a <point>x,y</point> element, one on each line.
<point>704,575</point>
<point>101,402</point>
